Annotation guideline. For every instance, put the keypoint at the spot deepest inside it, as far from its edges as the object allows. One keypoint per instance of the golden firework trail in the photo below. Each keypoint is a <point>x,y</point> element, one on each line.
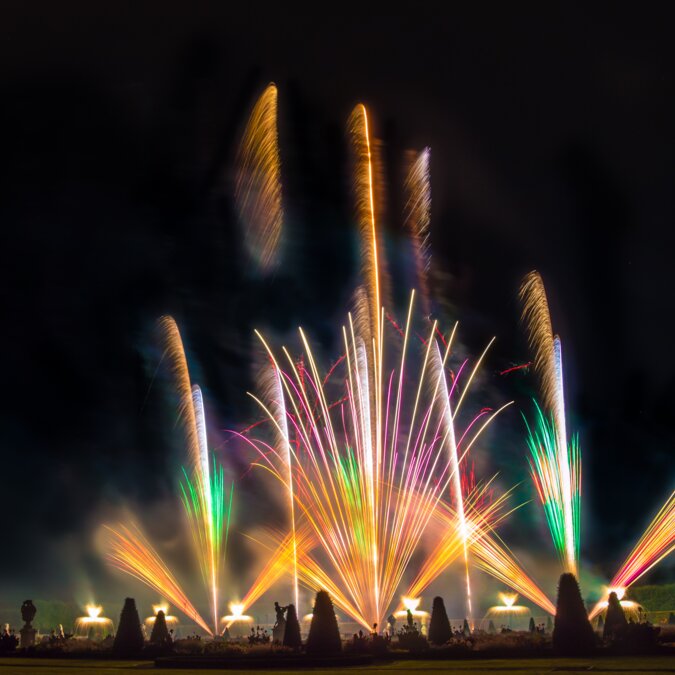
<point>547,357</point>
<point>130,552</point>
<point>258,182</point>
<point>417,219</point>
<point>274,393</point>
<point>657,542</point>
<point>364,191</point>
<point>207,505</point>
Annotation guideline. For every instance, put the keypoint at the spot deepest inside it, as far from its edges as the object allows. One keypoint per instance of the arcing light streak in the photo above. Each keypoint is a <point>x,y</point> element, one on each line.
<point>275,395</point>
<point>547,351</point>
<point>365,209</point>
<point>546,470</point>
<point>258,182</point>
<point>417,219</point>
<point>129,551</point>
<point>438,371</point>
<point>657,542</point>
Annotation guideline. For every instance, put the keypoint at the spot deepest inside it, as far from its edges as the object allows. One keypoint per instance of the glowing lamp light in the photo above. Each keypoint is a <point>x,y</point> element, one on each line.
<point>308,617</point>
<point>93,625</point>
<point>236,614</point>
<point>508,599</point>
<point>620,592</point>
<point>93,611</point>
<point>171,621</point>
<point>411,604</point>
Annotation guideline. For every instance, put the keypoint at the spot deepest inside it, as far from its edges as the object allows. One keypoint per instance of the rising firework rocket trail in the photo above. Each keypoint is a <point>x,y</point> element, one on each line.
<point>557,468</point>
<point>657,542</point>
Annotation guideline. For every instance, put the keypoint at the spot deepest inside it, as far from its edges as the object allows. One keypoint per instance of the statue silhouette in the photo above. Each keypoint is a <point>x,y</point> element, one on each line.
<point>28,611</point>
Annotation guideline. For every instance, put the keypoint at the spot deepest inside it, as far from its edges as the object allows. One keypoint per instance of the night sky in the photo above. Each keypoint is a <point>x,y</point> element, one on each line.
<point>553,147</point>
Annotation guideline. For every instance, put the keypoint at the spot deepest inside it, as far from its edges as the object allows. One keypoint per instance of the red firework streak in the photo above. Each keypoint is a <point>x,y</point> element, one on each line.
<point>522,366</point>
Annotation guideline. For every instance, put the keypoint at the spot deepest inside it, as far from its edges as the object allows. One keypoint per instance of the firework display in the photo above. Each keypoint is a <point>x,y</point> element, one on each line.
<point>369,455</point>
<point>556,467</point>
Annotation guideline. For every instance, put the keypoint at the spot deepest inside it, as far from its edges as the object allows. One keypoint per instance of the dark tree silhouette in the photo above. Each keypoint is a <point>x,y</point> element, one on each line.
<point>292,633</point>
<point>532,628</point>
<point>572,633</point>
<point>129,637</point>
<point>491,627</point>
<point>324,635</point>
<point>601,623</point>
<point>439,625</point>
<point>465,629</point>
<point>549,625</point>
<point>615,620</point>
<point>160,633</point>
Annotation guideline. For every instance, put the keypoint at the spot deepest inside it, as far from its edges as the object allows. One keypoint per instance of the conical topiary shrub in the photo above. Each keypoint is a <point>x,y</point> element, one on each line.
<point>160,633</point>
<point>549,625</point>
<point>465,628</point>
<point>292,633</point>
<point>615,620</point>
<point>531,626</point>
<point>129,637</point>
<point>572,633</point>
<point>439,625</point>
<point>491,627</point>
<point>324,635</point>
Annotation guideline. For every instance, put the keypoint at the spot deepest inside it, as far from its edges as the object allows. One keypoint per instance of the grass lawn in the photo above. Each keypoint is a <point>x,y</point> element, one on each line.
<point>656,664</point>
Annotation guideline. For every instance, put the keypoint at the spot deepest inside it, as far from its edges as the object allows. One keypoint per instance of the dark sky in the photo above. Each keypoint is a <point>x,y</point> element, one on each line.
<point>552,148</point>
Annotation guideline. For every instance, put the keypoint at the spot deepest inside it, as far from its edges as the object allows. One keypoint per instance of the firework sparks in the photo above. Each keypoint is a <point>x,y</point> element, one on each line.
<point>205,499</point>
<point>565,464</point>
<point>258,182</point>
<point>130,552</point>
<point>657,542</point>
<point>417,219</point>
<point>498,561</point>
<point>545,467</point>
<point>367,494</point>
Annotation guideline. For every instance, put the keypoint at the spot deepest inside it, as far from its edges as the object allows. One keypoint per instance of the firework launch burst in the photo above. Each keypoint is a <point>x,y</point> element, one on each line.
<point>657,542</point>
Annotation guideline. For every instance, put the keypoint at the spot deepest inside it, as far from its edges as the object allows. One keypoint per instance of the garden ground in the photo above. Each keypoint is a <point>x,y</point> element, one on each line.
<point>649,664</point>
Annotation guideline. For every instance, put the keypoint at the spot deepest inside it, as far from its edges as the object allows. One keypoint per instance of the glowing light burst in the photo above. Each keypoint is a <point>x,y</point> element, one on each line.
<point>482,516</point>
<point>561,459</point>
<point>130,552</point>
<point>657,542</point>
<point>258,182</point>
<point>84,625</point>
<point>156,609</point>
<point>411,605</point>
